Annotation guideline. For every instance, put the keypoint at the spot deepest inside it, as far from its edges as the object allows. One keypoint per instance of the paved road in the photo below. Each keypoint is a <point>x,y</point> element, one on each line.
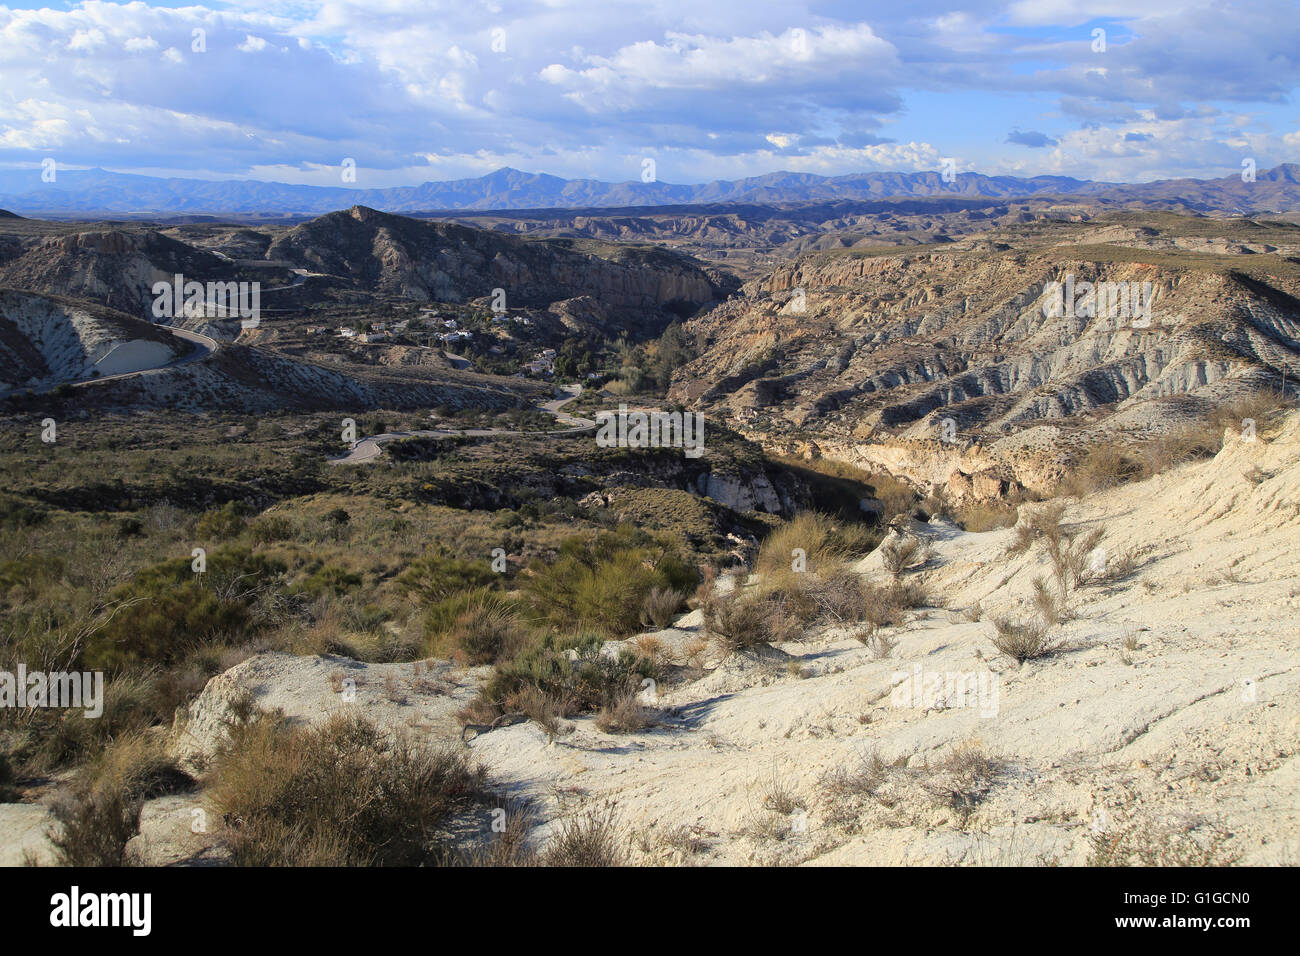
<point>368,449</point>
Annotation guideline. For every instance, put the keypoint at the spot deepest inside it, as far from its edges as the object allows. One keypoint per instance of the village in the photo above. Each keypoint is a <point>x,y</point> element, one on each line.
<point>452,333</point>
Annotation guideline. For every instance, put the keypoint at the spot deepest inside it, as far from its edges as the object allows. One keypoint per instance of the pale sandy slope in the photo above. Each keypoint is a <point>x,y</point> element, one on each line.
<point>1194,730</point>
<point>1086,740</point>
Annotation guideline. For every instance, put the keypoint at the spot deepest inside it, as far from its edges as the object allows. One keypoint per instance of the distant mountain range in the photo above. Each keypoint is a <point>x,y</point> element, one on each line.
<point>95,192</point>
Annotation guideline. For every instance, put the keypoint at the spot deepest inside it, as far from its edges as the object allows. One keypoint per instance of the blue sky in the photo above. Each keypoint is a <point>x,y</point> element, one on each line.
<point>417,90</point>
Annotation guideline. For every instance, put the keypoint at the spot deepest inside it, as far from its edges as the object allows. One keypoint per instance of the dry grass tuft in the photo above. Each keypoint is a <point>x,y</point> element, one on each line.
<point>342,794</point>
<point>1023,640</point>
<point>593,837</point>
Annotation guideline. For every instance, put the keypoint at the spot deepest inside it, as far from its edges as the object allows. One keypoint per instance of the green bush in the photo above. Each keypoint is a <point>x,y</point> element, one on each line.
<point>478,627</point>
<point>328,579</point>
<point>438,576</point>
<point>601,582</point>
<point>572,671</point>
<point>222,523</point>
<point>271,528</point>
<point>168,609</point>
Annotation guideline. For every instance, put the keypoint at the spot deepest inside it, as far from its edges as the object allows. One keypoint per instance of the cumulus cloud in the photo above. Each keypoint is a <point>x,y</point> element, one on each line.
<point>417,90</point>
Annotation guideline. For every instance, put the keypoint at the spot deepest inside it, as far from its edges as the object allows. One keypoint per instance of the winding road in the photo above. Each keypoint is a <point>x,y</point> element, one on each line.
<point>368,449</point>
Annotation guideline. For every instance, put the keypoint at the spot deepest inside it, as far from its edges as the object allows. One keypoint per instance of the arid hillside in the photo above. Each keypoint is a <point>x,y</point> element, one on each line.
<point>48,340</point>
<point>1154,722</point>
<point>972,347</point>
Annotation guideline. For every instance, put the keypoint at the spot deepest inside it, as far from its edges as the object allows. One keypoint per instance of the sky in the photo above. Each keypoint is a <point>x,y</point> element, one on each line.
<point>420,90</point>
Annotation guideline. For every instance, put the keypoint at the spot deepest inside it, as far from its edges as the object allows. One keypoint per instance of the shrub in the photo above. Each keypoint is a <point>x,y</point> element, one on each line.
<point>737,622</point>
<point>824,541</point>
<point>591,838</point>
<point>661,606</point>
<point>903,553</point>
<point>886,606</point>
<point>1145,842</point>
<point>601,582</point>
<point>624,714</point>
<point>327,579</point>
<point>55,738</point>
<point>438,576</point>
<point>487,630</point>
<point>1023,641</point>
<point>100,813</point>
<point>342,794</point>
<point>1104,466</point>
<point>167,610</point>
<point>987,516</point>
<point>1180,446</point>
<point>130,528</point>
<point>268,529</point>
<point>574,675</point>
<point>223,523</point>
<point>8,792</point>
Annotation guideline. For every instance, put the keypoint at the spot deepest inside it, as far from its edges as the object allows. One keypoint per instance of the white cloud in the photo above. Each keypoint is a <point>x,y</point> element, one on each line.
<point>586,87</point>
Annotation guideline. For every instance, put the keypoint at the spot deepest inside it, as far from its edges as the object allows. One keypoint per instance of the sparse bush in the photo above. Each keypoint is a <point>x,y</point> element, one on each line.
<point>342,794</point>
<point>1023,640</point>
<point>862,780</point>
<point>624,714</point>
<point>1144,842</point>
<point>906,552</point>
<point>1047,603</point>
<point>589,839</point>
<point>880,645</point>
<point>1180,446</point>
<point>987,516</point>
<point>661,606</point>
<point>737,622</point>
<point>544,709</point>
<point>886,605</point>
<point>1103,466</point>
<point>1042,522</point>
<point>963,778</point>
<point>100,812</point>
